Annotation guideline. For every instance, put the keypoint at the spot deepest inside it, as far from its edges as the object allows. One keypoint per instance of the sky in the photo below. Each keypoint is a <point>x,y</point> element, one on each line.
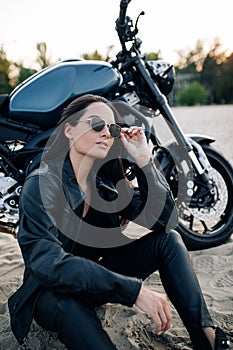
<point>73,27</point>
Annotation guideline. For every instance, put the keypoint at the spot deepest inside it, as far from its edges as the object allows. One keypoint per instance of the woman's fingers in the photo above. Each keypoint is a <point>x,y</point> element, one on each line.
<point>162,317</point>
<point>157,306</point>
<point>133,136</point>
<point>169,317</point>
<point>132,131</point>
<point>163,320</point>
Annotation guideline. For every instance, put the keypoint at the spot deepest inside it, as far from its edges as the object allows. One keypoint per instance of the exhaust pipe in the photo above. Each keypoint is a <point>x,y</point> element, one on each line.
<point>8,229</point>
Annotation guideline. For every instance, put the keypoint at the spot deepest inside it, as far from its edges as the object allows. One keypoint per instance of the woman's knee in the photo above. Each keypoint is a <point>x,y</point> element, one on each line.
<point>171,238</point>
<point>55,310</point>
<point>172,245</point>
<point>70,310</point>
<point>174,238</point>
<point>79,324</point>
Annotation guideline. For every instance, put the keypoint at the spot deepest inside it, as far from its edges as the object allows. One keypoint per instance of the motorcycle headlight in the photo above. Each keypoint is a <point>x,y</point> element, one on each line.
<point>163,73</point>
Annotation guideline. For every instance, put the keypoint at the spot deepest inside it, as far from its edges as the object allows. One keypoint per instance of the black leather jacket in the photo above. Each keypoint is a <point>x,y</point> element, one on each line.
<point>54,248</point>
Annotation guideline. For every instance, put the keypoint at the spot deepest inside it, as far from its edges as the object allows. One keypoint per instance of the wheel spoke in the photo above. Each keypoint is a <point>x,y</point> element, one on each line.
<point>191,222</point>
<point>205,226</point>
<point>205,220</point>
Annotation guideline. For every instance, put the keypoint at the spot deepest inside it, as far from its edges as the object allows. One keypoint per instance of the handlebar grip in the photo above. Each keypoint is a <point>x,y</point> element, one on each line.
<point>122,14</point>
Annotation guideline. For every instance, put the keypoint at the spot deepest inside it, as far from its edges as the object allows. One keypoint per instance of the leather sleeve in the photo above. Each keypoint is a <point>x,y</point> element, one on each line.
<point>152,205</point>
<point>50,265</point>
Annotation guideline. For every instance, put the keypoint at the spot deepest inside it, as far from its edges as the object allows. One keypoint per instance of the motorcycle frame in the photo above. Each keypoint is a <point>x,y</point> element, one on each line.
<point>132,57</point>
<point>166,112</point>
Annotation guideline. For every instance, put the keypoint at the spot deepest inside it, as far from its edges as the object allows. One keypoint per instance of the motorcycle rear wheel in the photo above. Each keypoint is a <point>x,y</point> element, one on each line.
<point>207,227</point>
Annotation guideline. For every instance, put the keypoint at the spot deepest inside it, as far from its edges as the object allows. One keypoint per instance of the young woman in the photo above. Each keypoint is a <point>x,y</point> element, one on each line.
<point>76,257</point>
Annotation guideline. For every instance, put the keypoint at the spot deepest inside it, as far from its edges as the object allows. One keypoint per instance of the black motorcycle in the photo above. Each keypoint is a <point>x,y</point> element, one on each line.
<point>199,176</point>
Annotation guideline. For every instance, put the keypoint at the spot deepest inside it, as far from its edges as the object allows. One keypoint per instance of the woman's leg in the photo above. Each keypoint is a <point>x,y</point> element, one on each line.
<point>167,253</point>
<point>76,322</point>
<point>183,289</point>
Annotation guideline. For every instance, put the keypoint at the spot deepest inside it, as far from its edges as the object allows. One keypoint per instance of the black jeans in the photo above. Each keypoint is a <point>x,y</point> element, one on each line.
<point>76,321</point>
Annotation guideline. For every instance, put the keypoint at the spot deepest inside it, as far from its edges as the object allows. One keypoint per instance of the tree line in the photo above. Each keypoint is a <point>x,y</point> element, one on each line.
<point>201,78</point>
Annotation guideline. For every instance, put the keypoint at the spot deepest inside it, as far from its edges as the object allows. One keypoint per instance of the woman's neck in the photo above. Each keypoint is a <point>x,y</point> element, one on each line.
<point>82,166</point>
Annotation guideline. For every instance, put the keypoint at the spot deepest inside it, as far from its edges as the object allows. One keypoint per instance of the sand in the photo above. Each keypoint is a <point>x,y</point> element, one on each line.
<point>129,328</point>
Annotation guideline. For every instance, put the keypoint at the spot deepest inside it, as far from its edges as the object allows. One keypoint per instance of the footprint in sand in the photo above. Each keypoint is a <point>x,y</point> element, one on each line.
<point>223,281</point>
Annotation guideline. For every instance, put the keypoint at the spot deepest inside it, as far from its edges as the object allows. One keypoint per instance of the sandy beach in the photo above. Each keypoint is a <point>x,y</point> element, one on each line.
<point>129,328</point>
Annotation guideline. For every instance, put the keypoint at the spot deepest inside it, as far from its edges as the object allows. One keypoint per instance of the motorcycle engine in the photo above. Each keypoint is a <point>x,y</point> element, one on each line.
<point>9,198</point>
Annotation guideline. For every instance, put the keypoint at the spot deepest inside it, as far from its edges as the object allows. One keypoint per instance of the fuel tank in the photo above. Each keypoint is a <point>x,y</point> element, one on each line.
<point>40,98</point>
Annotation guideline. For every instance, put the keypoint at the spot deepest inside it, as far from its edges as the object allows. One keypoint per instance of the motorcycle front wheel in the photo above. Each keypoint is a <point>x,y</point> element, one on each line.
<point>210,223</point>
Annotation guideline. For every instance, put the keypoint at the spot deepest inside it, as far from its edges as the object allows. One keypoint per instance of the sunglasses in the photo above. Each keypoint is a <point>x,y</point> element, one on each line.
<point>98,124</point>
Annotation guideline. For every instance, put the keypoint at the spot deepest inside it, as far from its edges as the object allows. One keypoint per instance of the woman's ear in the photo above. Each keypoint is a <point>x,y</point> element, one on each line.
<point>67,131</point>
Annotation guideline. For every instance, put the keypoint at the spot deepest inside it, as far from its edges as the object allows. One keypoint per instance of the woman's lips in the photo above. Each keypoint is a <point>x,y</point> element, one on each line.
<point>102,144</point>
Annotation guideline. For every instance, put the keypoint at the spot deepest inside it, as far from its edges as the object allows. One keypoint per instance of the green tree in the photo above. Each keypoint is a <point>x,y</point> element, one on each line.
<point>23,74</point>
<point>227,73</point>
<point>5,86</point>
<point>42,58</point>
<point>191,61</point>
<point>194,94</point>
<point>212,69</point>
<point>93,56</point>
<point>150,56</point>
<point>217,74</point>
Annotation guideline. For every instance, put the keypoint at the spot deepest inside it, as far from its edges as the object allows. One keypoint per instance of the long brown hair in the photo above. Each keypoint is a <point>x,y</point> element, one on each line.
<point>58,144</point>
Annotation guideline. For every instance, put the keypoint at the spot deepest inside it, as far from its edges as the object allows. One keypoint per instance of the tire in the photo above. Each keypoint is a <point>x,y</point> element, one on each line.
<point>211,225</point>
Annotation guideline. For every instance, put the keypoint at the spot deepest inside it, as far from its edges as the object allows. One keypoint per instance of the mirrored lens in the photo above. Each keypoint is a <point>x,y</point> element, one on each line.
<point>115,130</point>
<point>97,123</point>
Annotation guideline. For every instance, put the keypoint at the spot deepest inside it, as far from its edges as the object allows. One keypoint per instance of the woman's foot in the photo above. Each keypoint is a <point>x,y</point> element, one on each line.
<point>217,338</point>
<point>221,341</point>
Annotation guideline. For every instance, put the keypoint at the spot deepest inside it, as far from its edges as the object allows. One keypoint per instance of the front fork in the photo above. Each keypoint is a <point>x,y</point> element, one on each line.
<point>203,163</point>
<point>200,163</point>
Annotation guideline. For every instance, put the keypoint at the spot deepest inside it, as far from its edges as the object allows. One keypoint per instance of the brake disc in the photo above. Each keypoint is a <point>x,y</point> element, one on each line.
<point>219,204</point>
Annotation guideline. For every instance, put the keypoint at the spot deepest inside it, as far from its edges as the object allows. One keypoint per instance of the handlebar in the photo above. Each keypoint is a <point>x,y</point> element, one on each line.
<point>122,14</point>
<point>121,22</point>
<point>124,26</point>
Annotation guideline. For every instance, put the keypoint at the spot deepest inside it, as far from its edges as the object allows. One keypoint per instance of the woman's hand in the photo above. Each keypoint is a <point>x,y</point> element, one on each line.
<point>134,141</point>
<point>155,305</point>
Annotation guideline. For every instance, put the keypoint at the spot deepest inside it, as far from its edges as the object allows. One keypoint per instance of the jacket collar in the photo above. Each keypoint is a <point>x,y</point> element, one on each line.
<point>73,191</point>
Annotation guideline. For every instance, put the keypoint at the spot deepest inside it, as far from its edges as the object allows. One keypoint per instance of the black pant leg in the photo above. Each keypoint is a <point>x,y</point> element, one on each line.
<point>166,252</point>
<point>183,289</point>
<point>75,321</point>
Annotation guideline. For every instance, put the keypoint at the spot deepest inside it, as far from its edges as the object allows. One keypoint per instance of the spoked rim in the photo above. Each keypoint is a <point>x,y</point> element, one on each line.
<point>207,219</point>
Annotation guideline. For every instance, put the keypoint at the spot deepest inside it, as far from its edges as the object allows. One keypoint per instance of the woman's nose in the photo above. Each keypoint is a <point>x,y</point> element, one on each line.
<point>105,132</point>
